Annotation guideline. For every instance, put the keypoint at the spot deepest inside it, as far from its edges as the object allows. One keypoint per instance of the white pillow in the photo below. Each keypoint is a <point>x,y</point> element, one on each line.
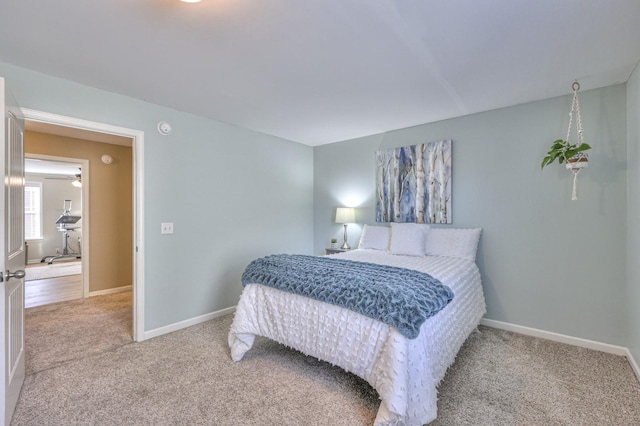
<point>375,237</point>
<point>453,242</point>
<point>408,238</point>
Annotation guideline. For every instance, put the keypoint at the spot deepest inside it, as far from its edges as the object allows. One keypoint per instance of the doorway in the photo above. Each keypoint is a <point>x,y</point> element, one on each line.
<point>54,229</point>
<point>47,123</point>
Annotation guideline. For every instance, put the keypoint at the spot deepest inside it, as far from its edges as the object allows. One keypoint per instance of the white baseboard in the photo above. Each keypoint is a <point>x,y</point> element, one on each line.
<point>556,337</point>
<point>634,364</point>
<point>111,291</point>
<point>187,323</point>
<point>563,338</point>
<point>528,331</point>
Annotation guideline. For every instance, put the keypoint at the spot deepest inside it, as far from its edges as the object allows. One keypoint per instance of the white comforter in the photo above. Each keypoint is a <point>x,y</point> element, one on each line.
<point>405,372</point>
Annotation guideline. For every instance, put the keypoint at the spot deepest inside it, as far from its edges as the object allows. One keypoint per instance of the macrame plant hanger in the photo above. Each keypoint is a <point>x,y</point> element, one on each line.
<point>581,159</point>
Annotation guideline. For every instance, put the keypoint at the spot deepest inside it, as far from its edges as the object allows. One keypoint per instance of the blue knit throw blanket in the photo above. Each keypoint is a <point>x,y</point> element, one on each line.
<point>402,298</point>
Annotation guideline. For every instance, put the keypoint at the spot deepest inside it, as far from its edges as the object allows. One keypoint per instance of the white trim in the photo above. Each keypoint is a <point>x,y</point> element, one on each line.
<point>86,220</point>
<point>634,364</point>
<point>78,123</point>
<point>188,323</point>
<point>556,337</point>
<point>138,241</point>
<point>138,203</point>
<point>111,290</point>
<point>563,338</point>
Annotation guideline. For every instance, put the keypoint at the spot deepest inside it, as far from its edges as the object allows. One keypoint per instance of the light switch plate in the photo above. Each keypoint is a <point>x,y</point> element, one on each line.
<point>166,228</point>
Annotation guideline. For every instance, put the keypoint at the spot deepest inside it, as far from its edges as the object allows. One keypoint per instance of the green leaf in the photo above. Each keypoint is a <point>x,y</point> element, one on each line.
<point>562,150</point>
<point>545,161</point>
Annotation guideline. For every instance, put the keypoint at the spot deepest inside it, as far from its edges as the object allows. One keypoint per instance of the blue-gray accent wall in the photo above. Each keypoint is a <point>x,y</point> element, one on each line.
<point>235,194</point>
<point>633,213</point>
<point>547,262</point>
<point>232,193</point>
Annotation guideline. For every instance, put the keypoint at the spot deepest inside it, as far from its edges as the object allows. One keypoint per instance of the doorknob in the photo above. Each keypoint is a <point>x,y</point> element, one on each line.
<point>17,274</point>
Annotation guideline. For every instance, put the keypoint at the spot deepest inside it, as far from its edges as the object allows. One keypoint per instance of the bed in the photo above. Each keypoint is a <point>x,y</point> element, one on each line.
<point>405,372</point>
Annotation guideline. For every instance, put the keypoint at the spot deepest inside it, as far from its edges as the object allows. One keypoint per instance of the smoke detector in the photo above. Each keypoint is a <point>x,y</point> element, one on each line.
<point>164,128</point>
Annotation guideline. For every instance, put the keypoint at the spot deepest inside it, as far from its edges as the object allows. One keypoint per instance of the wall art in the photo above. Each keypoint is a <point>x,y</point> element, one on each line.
<point>413,183</point>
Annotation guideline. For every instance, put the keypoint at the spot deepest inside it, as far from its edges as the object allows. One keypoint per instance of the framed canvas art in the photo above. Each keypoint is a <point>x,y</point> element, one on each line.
<point>413,183</point>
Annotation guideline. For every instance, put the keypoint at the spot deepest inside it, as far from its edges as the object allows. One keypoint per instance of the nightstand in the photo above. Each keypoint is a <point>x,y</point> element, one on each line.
<point>335,250</point>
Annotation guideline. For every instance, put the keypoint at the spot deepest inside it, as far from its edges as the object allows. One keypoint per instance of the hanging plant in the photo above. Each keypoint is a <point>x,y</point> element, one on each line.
<point>562,150</point>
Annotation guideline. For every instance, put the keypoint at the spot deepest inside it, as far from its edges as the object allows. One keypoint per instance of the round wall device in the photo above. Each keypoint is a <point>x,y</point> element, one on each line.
<point>164,128</point>
<point>106,159</point>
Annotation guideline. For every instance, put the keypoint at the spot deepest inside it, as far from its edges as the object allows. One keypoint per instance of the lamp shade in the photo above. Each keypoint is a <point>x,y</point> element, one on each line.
<point>345,215</point>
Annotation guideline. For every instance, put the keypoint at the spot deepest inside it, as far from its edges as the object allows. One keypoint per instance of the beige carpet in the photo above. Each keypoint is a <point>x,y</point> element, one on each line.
<point>58,333</point>
<point>187,377</point>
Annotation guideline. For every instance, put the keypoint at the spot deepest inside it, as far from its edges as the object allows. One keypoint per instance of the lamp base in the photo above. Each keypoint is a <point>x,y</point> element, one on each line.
<point>345,245</point>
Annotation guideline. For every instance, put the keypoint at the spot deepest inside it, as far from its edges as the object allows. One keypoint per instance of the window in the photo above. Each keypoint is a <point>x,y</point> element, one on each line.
<point>33,211</point>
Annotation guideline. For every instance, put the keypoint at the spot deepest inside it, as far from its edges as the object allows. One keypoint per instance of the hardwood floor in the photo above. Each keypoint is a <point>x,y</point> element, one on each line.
<point>52,290</point>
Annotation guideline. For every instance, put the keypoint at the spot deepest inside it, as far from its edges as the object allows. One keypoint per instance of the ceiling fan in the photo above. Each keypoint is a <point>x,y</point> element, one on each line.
<point>76,180</point>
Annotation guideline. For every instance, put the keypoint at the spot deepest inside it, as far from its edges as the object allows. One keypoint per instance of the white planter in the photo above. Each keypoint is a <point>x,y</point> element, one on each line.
<point>577,164</point>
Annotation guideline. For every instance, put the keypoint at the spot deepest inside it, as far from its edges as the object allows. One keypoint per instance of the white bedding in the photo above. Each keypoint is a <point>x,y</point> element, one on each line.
<point>405,372</point>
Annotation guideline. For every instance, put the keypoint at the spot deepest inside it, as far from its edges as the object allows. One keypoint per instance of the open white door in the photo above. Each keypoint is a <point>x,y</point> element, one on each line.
<point>12,260</point>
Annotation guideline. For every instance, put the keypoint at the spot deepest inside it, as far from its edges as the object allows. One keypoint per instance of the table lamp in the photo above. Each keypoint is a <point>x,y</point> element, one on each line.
<point>345,215</point>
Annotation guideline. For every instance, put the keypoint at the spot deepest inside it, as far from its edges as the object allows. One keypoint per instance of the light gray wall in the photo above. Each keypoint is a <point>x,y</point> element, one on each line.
<point>233,194</point>
<point>633,212</point>
<point>547,262</point>
<point>54,192</point>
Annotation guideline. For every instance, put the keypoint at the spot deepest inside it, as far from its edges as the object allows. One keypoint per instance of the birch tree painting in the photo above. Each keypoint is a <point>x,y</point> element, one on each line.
<point>413,183</point>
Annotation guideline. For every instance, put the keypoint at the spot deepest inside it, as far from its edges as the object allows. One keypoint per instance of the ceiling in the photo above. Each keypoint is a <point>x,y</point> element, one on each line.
<point>50,167</point>
<point>322,71</point>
